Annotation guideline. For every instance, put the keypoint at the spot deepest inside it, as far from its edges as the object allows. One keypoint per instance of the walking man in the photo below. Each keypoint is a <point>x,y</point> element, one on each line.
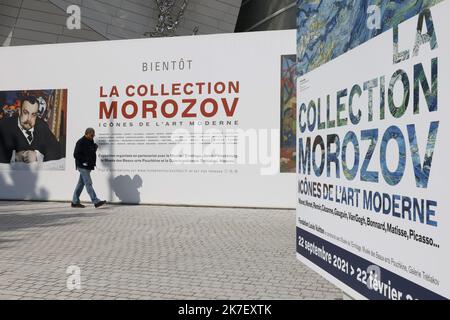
<point>85,161</point>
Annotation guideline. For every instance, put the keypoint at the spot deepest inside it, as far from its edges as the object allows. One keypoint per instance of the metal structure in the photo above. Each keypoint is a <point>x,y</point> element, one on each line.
<point>167,21</point>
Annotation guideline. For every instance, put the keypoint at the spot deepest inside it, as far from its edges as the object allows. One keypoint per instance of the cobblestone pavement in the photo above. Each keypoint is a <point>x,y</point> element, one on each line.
<point>152,252</point>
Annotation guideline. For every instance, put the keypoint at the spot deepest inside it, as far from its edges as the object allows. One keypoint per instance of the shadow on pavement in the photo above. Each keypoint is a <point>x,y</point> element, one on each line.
<point>15,220</point>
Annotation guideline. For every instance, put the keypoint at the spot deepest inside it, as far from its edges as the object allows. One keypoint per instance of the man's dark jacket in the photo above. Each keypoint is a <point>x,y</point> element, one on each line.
<point>12,138</point>
<point>85,154</point>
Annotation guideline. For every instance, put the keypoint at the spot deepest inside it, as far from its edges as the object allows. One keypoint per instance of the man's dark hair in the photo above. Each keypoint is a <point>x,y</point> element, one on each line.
<point>30,99</point>
<point>89,130</point>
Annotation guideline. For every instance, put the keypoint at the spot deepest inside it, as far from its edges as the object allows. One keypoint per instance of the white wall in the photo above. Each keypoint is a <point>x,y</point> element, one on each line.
<point>252,59</point>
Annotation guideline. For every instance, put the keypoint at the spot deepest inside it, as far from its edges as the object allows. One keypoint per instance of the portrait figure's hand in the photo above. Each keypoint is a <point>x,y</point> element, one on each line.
<point>19,156</point>
<point>27,156</point>
<point>30,156</point>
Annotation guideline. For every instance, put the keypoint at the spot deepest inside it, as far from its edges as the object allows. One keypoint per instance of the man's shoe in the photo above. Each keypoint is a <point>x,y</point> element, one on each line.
<point>77,205</point>
<point>99,204</point>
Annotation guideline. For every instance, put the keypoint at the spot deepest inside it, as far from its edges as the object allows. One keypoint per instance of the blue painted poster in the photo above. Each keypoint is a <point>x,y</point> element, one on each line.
<point>372,97</point>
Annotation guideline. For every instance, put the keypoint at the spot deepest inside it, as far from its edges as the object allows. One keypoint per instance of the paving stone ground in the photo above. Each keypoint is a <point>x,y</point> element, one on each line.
<point>152,252</point>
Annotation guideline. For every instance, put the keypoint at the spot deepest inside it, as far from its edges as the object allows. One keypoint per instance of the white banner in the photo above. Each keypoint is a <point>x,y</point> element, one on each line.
<point>372,160</point>
<point>185,120</point>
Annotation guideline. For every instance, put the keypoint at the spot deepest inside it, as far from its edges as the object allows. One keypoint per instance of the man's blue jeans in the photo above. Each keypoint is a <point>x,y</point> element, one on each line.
<point>84,181</point>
